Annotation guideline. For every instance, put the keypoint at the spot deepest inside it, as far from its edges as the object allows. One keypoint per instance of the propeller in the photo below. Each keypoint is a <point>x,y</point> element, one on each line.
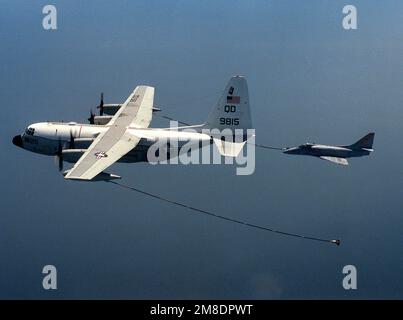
<point>101,105</point>
<point>91,119</point>
<point>60,148</point>
<point>71,141</point>
<point>59,155</point>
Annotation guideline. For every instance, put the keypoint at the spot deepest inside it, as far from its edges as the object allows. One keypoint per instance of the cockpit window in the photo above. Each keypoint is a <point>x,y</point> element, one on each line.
<point>30,131</point>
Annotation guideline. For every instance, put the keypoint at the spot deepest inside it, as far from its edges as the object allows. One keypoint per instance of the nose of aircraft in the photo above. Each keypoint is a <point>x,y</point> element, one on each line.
<point>292,150</point>
<point>17,141</point>
<point>288,150</point>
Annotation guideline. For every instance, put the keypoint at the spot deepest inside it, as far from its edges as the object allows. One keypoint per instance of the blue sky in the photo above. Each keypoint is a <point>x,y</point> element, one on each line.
<point>309,80</point>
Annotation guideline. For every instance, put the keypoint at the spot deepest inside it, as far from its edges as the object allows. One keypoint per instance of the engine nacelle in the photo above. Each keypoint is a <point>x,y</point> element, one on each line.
<point>102,120</point>
<point>111,108</point>
<point>155,109</point>
<point>72,155</point>
<point>83,143</point>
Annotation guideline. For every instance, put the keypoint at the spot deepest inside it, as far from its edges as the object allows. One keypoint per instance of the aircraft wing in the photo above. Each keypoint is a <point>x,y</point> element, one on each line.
<point>337,160</point>
<point>115,142</point>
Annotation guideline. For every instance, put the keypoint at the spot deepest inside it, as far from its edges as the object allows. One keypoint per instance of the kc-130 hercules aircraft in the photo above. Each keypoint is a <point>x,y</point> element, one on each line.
<point>125,136</point>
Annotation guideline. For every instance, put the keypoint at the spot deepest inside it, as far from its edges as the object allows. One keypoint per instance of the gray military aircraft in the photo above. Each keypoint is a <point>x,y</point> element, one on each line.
<point>335,154</point>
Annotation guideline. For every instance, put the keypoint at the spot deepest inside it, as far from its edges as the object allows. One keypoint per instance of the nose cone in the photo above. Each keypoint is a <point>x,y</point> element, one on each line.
<point>17,141</point>
<point>290,150</point>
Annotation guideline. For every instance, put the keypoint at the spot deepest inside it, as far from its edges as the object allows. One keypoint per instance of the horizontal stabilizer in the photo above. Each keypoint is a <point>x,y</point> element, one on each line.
<point>336,160</point>
<point>229,149</point>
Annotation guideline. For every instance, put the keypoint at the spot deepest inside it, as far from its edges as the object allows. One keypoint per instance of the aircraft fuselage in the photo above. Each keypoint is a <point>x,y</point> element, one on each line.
<point>318,150</point>
<point>45,138</point>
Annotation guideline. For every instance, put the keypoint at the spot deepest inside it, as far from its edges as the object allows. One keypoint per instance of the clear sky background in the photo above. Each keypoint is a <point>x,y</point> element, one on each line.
<point>309,80</point>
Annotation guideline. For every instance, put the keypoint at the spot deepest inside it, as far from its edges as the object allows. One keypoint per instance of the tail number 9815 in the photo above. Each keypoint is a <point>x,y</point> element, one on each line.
<point>229,121</point>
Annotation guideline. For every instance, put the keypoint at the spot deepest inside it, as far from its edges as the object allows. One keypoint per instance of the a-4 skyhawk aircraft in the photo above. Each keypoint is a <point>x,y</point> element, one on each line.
<point>335,154</point>
<point>125,136</point>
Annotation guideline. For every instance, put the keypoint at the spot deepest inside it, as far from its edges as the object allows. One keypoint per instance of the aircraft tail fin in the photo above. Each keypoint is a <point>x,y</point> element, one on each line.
<point>365,142</point>
<point>230,118</point>
<point>232,110</point>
